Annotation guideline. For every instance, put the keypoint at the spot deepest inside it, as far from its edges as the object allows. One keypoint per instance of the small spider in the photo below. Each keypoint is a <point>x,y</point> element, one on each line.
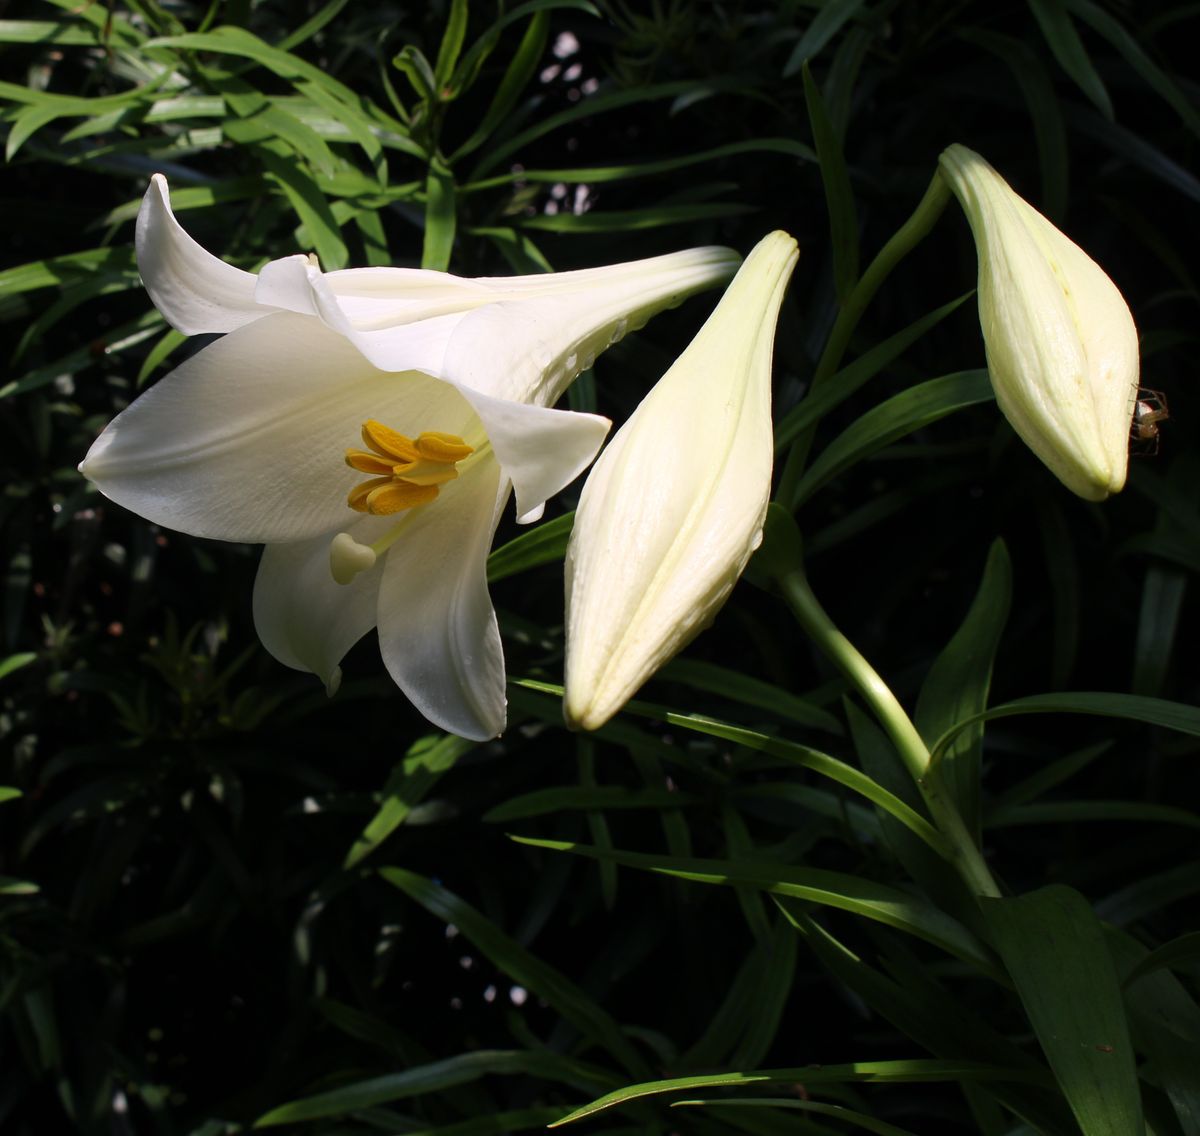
<point>1149,409</point>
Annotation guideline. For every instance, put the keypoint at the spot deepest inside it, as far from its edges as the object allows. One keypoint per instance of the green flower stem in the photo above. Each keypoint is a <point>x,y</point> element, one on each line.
<point>965,856</point>
<point>903,241</point>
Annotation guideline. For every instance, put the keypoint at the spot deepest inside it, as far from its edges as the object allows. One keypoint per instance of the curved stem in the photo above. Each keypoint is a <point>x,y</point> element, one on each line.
<point>903,241</point>
<point>965,856</point>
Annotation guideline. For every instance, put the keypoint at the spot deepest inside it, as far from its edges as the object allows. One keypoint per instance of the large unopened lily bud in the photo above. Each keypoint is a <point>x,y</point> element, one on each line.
<point>674,507</point>
<point>1061,345</point>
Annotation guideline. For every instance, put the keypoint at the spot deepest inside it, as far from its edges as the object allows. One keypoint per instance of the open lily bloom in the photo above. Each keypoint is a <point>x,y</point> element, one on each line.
<point>673,509</point>
<point>368,426</point>
<point>1062,349</point>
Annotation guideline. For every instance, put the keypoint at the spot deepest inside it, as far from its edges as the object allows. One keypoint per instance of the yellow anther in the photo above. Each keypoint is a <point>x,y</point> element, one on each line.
<point>405,473</point>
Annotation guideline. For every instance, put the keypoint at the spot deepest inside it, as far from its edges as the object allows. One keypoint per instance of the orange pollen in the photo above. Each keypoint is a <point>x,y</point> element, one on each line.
<point>406,472</point>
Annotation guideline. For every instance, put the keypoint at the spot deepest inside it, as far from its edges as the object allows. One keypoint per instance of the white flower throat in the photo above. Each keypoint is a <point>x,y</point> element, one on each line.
<point>407,473</point>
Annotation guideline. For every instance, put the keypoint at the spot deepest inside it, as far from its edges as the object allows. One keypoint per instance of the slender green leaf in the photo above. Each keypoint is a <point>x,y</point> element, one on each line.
<point>1068,49</point>
<point>828,21</point>
<point>451,45</point>
<point>866,898</point>
<point>1053,946</point>
<point>839,196</point>
<point>792,752</point>
<point>521,68</point>
<point>8,793</point>
<point>541,545</point>
<point>441,215</point>
<point>817,403</point>
<point>586,1015</point>
<point>61,270</point>
<point>599,103</point>
<point>940,1021</point>
<point>1134,707</point>
<point>576,797</point>
<point>910,410</point>
<point>915,1070</point>
<point>594,175</point>
<point>61,33</point>
<point>407,786</point>
<point>738,687</point>
<point>958,683</point>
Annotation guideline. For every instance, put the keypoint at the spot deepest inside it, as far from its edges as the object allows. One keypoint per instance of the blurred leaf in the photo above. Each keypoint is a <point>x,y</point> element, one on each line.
<point>1053,946</point>
<point>838,1112</point>
<point>632,220</point>
<point>7,666</point>
<point>1046,778</point>
<point>9,886</point>
<point>1158,626</point>
<point>575,797</point>
<point>438,1075</point>
<point>1180,953</point>
<point>839,195</point>
<point>586,1015</point>
<point>862,897</point>
<point>1153,76</point>
<point>1150,894</point>
<point>899,415</point>
<point>957,686</point>
<point>1045,114</point>
<point>1068,49</point>
<point>1073,812</point>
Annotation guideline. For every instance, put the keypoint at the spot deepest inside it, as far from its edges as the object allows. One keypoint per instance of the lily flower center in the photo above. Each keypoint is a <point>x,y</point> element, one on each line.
<point>406,471</point>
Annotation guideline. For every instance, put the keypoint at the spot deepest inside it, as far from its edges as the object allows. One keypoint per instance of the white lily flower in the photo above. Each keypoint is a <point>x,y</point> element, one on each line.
<point>1061,345</point>
<point>434,390</point>
<point>674,507</point>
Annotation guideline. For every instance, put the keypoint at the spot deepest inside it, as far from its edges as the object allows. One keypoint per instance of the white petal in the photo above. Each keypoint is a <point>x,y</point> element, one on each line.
<point>531,346</point>
<point>193,289</point>
<point>540,450</point>
<point>246,439</point>
<point>423,323</point>
<point>437,628</point>
<point>303,618</point>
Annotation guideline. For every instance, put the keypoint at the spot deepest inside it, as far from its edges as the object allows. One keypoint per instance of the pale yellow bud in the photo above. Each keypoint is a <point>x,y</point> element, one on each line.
<point>1061,346</point>
<point>674,507</point>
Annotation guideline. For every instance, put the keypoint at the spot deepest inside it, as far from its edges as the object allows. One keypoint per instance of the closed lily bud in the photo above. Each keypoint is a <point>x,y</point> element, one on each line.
<point>1061,346</point>
<point>674,507</point>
